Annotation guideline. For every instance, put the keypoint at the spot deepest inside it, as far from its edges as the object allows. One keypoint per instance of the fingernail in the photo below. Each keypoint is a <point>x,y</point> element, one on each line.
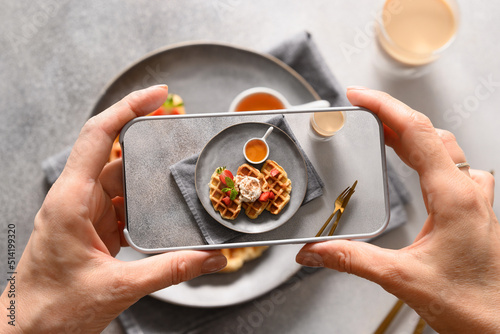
<point>356,88</point>
<point>160,86</point>
<point>310,259</point>
<point>213,264</point>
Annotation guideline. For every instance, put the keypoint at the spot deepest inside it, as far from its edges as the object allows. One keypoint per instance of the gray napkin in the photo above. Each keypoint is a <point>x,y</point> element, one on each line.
<point>53,166</point>
<point>214,233</point>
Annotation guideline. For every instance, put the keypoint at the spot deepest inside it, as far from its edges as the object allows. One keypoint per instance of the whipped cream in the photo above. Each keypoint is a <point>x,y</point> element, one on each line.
<point>249,188</point>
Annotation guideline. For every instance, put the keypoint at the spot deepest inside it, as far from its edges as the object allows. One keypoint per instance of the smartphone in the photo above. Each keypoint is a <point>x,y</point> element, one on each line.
<point>176,199</point>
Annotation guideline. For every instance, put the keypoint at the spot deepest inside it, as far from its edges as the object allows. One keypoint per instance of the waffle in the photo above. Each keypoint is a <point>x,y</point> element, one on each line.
<point>280,185</point>
<point>254,209</point>
<point>236,257</point>
<point>216,196</point>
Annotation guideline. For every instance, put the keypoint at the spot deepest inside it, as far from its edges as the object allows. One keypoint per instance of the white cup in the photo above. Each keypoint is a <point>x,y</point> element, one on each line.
<point>275,100</point>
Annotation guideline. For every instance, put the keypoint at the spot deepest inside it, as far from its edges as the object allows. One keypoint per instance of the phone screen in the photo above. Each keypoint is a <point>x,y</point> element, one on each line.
<point>252,178</point>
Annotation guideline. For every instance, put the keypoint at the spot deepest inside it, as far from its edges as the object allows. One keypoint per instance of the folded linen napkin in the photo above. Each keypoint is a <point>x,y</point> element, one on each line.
<point>213,232</point>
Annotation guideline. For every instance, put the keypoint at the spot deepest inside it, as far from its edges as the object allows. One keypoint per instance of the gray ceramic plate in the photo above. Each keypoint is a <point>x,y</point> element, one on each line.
<point>208,76</point>
<point>225,149</point>
<point>257,277</point>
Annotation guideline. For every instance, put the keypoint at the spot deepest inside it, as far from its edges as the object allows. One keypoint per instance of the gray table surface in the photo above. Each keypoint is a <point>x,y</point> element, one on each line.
<point>56,57</point>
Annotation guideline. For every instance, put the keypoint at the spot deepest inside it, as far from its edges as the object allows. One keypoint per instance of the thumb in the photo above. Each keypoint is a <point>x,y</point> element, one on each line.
<point>354,257</point>
<point>160,271</point>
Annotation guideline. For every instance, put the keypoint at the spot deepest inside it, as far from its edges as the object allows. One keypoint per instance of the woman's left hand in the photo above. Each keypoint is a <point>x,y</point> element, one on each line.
<point>67,279</point>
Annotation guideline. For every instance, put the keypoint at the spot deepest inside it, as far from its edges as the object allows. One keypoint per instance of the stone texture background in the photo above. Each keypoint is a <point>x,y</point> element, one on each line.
<point>57,56</point>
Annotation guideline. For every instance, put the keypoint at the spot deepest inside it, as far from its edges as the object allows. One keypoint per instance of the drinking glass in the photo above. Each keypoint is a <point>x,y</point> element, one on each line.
<point>412,34</point>
<point>324,125</point>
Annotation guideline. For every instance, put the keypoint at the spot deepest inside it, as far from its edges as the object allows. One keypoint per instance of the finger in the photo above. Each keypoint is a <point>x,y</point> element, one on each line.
<point>391,137</point>
<point>362,259</point>
<point>486,181</point>
<point>392,140</point>
<point>93,146</point>
<point>454,150</point>
<point>160,271</point>
<point>392,112</point>
<point>106,228</point>
<point>112,178</point>
<point>119,204</point>
<point>419,145</point>
<point>121,227</point>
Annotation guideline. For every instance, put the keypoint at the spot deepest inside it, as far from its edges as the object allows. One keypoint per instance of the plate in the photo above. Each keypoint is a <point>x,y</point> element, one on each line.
<point>225,149</point>
<point>208,76</point>
<point>256,278</point>
<point>212,74</point>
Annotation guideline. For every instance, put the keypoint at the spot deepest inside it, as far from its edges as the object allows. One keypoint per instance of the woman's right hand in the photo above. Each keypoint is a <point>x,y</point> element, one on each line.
<point>450,275</point>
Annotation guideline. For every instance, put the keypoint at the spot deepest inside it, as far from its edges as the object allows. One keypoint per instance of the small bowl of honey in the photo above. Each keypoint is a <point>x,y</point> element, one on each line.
<point>256,150</point>
<point>258,98</point>
<point>263,98</point>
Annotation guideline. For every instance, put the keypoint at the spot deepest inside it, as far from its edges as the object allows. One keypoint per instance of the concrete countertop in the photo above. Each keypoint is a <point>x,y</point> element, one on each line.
<point>57,56</point>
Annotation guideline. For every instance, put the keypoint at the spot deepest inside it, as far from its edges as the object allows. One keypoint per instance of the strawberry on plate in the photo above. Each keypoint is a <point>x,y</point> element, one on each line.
<point>274,172</point>
<point>172,106</point>
<point>266,196</point>
<point>226,178</point>
<point>227,200</point>
<point>223,173</point>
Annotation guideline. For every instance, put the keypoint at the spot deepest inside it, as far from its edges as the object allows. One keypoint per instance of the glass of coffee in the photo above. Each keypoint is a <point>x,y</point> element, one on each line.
<point>324,125</point>
<point>413,33</point>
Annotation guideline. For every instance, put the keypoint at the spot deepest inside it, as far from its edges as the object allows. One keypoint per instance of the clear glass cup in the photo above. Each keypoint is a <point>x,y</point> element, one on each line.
<point>412,34</point>
<point>324,125</point>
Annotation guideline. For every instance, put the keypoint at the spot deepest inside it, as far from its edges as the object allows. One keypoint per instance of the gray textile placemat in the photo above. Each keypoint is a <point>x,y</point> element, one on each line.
<point>149,315</point>
<point>214,233</point>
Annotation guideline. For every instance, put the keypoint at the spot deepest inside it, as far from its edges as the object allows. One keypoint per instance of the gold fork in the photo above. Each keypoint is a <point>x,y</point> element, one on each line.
<point>338,205</point>
<point>342,207</point>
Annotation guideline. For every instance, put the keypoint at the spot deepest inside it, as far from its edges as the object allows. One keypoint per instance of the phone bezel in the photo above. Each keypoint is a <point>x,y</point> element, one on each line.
<point>305,240</point>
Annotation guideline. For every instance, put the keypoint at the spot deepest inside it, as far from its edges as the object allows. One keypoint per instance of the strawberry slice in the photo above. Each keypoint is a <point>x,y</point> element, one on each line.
<point>224,174</point>
<point>264,196</point>
<point>158,112</point>
<point>226,200</point>
<point>228,173</point>
<point>271,195</point>
<point>274,172</point>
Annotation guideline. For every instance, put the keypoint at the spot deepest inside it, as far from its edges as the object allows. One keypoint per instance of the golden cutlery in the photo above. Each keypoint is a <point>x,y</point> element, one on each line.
<point>389,317</point>
<point>338,205</point>
<point>342,207</point>
<point>419,328</point>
